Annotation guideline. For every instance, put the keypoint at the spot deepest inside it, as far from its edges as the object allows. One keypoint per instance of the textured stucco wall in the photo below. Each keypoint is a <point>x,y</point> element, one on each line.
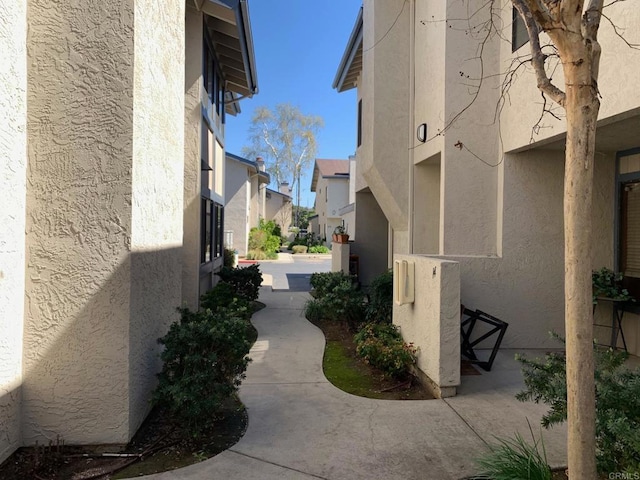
<point>102,216</point>
<point>619,69</point>
<point>192,158</point>
<point>157,193</point>
<point>279,209</point>
<point>236,210</point>
<point>384,156</point>
<point>432,322</point>
<point>13,164</point>
<point>338,195</point>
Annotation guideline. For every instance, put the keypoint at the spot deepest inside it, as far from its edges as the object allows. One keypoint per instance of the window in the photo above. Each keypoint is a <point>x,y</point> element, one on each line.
<point>211,230</point>
<point>212,77</point>
<point>629,221</point>
<point>359,122</point>
<point>519,34</point>
<point>206,230</point>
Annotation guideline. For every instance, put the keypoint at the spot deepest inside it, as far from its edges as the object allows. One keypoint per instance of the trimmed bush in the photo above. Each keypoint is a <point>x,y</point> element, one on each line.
<point>224,296</point>
<point>245,281</point>
<point>204,360</point>
<point>319,249</point>
<point>324,282</point>
<point>229,257</point>
<point>380,306</point>
<point>338,298</point>
<point>381,346</point>
<point>299,249</point>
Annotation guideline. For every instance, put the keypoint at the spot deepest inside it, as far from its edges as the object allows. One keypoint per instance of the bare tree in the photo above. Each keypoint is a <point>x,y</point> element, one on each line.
<point>287,139</point>
<point>572,28</point>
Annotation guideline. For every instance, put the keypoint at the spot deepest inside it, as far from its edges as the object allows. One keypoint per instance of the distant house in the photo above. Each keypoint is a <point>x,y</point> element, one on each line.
<point>330,182</point>
<point>278,207</point>
<point>246,202</point>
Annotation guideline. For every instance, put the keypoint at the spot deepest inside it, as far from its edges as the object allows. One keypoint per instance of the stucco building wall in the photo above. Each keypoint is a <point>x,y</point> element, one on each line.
<point>13,164</point>
<point>192,157</point>
<point>278,207</point>
<point>98,233</point>
<point>238,194</point>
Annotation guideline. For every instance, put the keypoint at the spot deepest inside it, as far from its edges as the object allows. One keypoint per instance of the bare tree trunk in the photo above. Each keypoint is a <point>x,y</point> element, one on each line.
<point>582,106</point>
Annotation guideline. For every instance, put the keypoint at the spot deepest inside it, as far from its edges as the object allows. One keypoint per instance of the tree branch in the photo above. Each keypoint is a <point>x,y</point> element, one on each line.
<point>537,56</point>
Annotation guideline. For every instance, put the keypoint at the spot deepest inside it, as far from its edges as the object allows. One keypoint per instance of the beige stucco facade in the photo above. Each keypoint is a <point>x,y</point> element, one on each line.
<point>483,189</point>
<point>13,158</point>
<point>279,208</point>
<point>100,184</point>
<point>332,194</point>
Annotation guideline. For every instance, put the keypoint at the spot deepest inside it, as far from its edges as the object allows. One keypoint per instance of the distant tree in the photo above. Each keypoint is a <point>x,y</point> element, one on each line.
<point>286,138</point>
<point>303,216</point>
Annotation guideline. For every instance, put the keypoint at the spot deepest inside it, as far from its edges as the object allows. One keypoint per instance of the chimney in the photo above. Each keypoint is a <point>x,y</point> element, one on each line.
<point>284,188</point>
<point>260,164</point>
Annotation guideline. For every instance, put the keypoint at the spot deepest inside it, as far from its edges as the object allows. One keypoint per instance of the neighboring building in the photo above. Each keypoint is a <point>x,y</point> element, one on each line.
<point>112,186</point>
<point>246,200</point>
<point>439,181</point>
<point>279,207</point>
<point>330,182</point>
<point>348,212</point>
<point>314,224</point>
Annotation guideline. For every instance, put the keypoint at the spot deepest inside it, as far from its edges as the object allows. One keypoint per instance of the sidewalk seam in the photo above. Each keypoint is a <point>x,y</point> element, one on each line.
<point>277,464</point>
<point>465,421</point>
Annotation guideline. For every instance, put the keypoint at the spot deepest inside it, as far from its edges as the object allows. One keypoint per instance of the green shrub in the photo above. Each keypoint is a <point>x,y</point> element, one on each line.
<point>324,282</point>
<point>224,296</point>
<point>204,360</point>
<point>264,238</point>
<point>319,249</point>
<point>380,306</point>
<point>617,404</point>
<point>296,242</point>
<point>260,255</point>
<point>516,459</point>
<point>299,249</point>
<point>245,281</point>
<point>381,346</point>
<point>229,257</point>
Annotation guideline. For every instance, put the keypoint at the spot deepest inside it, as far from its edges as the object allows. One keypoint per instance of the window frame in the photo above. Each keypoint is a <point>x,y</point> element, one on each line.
<point>517,28</point>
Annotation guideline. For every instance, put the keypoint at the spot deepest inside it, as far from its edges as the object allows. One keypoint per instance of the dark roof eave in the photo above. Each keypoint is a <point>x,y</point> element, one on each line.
<point>246,40</point>
<point>355,41</point>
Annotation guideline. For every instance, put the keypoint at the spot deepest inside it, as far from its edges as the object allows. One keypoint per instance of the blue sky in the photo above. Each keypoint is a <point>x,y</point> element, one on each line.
<point>298,46</point>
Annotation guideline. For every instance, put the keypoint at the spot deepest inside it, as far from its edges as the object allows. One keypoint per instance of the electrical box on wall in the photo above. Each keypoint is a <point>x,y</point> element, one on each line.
<point>404,275</point>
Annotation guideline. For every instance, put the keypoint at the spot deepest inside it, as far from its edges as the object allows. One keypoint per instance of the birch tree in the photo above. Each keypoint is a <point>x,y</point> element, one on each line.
<point>286,138</point>
<point>572,27</point>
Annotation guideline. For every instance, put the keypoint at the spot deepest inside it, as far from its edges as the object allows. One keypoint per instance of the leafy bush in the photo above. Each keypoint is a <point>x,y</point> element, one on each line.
<point>204,357</point>
<point>381,345</point>
<point>516,459</point>
<point>260,255</point>
<point>617,404</point>
<point>224,296</point>
<point>319,249</point>
<point>338,298</point>
<point>299,249</point>
<point>229,257</point>
<point>380,306</point>
<point>265,238</point>
<point>245,281</point>
<point>324,282</point>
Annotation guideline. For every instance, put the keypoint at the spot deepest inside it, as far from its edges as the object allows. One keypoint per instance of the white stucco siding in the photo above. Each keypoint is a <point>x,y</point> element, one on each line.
<point>13,161</point>
<point>384,159</point>
<point>157,194</point>
<point>236,212</point>
<point>619,69</point>
<point>337,196</point>
<point>192,158</point>
<point>104,204</point>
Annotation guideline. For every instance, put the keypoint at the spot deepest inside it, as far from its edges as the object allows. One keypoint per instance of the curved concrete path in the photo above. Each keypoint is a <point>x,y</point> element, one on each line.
<point>301,427</point>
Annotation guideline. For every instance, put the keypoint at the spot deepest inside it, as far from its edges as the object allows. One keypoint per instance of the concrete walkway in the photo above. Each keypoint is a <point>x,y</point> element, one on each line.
<point>302,427</point>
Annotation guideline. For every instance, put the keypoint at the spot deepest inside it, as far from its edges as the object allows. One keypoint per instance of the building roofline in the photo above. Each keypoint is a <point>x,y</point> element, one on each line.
<point>355,42</point>
<point>245,161</point>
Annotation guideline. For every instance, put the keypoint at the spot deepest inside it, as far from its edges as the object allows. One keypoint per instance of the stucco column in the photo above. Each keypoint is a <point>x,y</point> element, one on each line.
<point>13,164</point>
<point>340,257</point>
<point>104,212</point>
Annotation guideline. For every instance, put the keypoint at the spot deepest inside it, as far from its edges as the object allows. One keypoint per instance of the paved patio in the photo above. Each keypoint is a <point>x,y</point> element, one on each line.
<point>302,427</point>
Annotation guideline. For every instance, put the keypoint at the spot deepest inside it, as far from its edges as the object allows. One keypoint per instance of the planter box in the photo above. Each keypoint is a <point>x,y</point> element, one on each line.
<point>340,238</point>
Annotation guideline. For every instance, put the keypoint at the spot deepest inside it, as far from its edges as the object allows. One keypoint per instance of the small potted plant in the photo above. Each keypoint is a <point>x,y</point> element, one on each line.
<point>340,235</point>
<point>606,284</point>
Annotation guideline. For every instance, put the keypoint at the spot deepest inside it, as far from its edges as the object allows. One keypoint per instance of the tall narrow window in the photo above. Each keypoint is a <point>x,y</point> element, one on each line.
<point>519,35</point>
<point>630,236</point>
<point>206,230</point>
<point>359,122</point>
